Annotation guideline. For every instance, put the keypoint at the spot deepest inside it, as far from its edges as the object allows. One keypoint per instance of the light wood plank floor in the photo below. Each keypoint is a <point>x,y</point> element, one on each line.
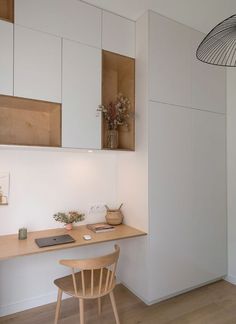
<point>212,304</point>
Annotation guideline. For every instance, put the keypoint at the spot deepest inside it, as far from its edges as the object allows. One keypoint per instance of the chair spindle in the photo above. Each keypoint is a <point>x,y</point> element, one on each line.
<point>92,283</point>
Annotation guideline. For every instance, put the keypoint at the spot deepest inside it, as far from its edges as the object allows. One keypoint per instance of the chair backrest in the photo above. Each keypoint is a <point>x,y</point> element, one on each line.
<point>101,269</point>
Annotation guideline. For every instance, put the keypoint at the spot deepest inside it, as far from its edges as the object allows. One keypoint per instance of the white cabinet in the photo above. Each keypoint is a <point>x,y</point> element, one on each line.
<point>175,75</point>
<point>70,19</point>
<point>81,95</point>
<point>209,184</point>
<point>208,81</point>
<point>118,34</point>
<point>37,65</point>
<point>6,58</point>
<point>169,61</point>
<point>187,198</point>
<point>170,199</point>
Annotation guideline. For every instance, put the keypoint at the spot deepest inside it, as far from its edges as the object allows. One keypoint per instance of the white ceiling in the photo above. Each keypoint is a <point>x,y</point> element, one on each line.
<point>202,15</point>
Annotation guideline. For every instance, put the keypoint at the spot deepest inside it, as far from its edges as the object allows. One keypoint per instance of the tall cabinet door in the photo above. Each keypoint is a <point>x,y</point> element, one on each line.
<point>169,61</point>
<point>187,198</point>
<point>70,19</point>
<point>37,68</point>
<point>118,34</point>
<point>81,95</point>
<point>6,58</point>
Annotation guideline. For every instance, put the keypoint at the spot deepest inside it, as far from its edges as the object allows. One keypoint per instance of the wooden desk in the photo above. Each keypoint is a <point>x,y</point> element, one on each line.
<point>11,247</point>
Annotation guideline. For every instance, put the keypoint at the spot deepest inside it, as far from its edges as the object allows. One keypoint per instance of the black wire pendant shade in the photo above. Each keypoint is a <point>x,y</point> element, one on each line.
<point>219,46</point>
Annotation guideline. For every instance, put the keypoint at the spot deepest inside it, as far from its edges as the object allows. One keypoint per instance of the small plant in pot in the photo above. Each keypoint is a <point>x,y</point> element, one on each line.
<point>69,218</point>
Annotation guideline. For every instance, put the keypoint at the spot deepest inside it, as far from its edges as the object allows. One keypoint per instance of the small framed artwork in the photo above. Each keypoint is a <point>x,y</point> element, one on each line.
<point>4,187</point>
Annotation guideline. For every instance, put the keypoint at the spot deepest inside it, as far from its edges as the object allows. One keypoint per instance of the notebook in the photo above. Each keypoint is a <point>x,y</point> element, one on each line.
<point>54,240</point>
<point>100,227</point>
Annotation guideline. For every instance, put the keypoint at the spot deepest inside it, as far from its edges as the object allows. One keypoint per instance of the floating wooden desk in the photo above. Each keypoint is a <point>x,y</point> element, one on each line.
<point>11,247</point>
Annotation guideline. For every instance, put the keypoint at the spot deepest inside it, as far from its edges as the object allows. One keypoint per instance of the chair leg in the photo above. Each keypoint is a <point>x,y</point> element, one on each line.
<point>81,310</point>
<point>58,307</point>
<point>99,306</point>
<point>113,303</point>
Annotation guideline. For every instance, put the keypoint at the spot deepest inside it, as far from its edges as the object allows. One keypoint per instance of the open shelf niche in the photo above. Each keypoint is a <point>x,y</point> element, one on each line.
<point>7,10</point>
<point>118,76</point>
<point>29,122</point>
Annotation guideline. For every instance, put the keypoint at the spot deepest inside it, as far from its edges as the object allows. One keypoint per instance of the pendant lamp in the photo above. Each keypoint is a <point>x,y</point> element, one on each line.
<point>219,46</point>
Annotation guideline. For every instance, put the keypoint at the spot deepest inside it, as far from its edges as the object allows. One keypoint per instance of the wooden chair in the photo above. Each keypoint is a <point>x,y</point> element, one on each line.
<point>95,279</point>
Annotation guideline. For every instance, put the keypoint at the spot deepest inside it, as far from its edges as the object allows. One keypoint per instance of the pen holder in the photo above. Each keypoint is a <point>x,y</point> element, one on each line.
<point>22,234</point>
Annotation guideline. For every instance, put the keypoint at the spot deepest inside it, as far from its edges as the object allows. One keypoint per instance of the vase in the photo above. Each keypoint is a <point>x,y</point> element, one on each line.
<point>22,234</point>
<point>112,139</point>
<point>69,226</point>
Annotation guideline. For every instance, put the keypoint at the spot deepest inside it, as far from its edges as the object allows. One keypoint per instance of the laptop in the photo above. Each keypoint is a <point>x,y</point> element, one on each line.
<point>54,240</point>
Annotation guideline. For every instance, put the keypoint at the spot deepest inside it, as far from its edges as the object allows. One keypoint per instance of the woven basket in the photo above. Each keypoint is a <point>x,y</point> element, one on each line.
<point>114,217</point>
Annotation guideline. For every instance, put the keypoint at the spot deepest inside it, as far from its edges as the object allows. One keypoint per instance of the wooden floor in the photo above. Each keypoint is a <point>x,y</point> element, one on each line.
<point>212,304</point>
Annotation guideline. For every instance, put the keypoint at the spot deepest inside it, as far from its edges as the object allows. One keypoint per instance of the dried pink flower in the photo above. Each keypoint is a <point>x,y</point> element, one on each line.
<point>117,113</point>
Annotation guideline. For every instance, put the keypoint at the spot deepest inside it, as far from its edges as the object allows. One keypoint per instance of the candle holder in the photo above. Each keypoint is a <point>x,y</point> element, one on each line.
<point>22,234</point>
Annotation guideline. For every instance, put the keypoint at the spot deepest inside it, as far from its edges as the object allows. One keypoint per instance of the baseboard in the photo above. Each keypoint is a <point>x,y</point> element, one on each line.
<point>151,302</point>
<point>135,292</point>
<point>29,303</point>
<point>158,300</point>
<point>52,297</point>
<point>231,279</point>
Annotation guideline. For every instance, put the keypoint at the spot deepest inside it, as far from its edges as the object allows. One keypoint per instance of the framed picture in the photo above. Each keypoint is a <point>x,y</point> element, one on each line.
<point>4,187</point>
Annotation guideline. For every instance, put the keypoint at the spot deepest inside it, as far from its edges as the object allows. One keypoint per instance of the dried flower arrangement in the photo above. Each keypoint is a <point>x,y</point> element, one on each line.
<point>69,218</point>
<point>117,113</point>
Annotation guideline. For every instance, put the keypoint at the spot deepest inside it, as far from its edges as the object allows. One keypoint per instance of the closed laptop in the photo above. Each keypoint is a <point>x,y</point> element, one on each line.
<point>54,240</point>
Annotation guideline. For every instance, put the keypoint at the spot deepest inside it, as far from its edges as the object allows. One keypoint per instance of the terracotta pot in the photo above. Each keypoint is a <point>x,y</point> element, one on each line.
<point>69,226</point>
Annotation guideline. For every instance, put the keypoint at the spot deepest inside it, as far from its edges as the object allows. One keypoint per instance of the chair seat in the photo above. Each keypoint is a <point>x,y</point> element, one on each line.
<point>66,284</point>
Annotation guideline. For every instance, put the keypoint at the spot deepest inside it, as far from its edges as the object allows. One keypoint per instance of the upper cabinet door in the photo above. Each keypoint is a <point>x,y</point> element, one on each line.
<point>37,66</point>
<point>169,61</point>
<point>70,19</point>
<point>81,96</point>
<point>208,81</point>
<point>118,34</point>
<point>6,58</point>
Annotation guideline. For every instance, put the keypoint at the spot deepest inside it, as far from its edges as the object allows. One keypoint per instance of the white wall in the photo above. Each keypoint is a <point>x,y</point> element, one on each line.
<point>231,172</point>
<point>42,182</point>
<point>46,181</point>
